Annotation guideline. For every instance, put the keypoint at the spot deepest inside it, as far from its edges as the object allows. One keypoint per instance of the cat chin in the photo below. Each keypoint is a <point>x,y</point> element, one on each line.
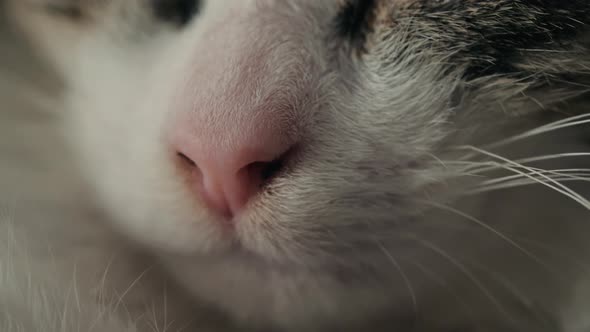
<point>116,120</point>
<point>265,296</point>
<point>39,303</point>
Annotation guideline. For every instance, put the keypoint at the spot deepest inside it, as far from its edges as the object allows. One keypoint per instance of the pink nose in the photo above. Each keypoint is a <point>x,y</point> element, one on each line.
<point>236,112</point>
<point>230,164</point>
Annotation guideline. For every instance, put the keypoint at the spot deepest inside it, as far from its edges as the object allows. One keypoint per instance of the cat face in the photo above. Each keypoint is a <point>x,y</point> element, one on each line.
<point>286,158</point>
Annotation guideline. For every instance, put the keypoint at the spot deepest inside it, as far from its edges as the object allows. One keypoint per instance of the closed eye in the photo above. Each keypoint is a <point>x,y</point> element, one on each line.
<point>178,12</point>
<point>354,20</point>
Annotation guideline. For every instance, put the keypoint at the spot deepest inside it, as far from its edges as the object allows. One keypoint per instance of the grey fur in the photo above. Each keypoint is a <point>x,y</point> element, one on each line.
<point>380,211</point>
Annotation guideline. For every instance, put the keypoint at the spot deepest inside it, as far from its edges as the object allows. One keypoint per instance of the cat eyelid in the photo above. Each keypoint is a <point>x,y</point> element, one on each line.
<point>179,12</point>
<point>354,20</point>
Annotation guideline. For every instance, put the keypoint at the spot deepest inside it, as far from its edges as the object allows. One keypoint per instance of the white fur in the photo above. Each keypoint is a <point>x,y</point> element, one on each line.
<point>356,227</point>
<point>62,269</point>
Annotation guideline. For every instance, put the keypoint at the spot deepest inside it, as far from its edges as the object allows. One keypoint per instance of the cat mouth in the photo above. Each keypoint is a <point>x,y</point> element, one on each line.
<point>350,272</point>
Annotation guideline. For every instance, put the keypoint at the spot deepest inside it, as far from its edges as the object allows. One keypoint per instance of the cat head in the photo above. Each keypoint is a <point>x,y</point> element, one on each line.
<point>285,158</point>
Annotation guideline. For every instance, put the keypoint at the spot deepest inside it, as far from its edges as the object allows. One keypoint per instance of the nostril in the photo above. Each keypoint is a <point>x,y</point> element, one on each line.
<point>270,170</point>
<point>225,188</point>
<point>186,160</point>
<point>262,173</point>
<point>266,171</point>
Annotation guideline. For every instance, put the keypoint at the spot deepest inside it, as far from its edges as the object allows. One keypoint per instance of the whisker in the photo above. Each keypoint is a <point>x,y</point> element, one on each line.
<point>560,254</point>
<point>566,191</point>
<point>560,188</point>
<point>520,182</point>
<point>461,267</point>
<point>102,284</point>
<point>567,173</point>
<point>122,296</point>
<point>560,124</point>
<point>492,230</point>
<point>75,288</point>
<point>515,184</point>
<point>492,165</point>
<point>504,282</point>
<point>516,180</point>
<point>402,273</point>
<point>444,285</point>
<point>552,156</point>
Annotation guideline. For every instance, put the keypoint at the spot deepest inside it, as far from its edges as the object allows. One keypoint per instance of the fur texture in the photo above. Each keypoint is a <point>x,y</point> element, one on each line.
<point>61,268</point>
<point>441,154</point>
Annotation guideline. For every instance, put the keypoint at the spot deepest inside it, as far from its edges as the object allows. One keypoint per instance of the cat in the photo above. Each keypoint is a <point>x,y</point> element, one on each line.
<point>313,165</point>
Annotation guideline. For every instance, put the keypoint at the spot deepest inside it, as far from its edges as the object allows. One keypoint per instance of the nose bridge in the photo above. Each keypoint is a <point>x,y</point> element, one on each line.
<point>244,105</point>
<point>239,109</point>
<point>251,76</point>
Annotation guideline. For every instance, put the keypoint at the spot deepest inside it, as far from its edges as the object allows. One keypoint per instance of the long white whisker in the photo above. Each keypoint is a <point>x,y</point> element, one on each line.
<point>553,184</point>
<point>130,287</point>
<point>402,273</point>
<point>517,180</point>
<point>501,280</point>
<point>444,285</point>
<point>550,182</point>
<point>471,166</point>
<point>566,173</point>
<point>564,123</point>
<point>552,156</point>
<point>561,255</point>
<point>516,183</point>
<point>461,267</point>
<point>492,230</point>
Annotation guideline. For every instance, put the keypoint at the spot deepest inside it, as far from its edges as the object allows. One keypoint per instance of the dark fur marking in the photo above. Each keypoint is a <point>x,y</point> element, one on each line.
<point>355,21</point>
<point>179,12</point>
<point>492,35</point>
<point>72,12</point>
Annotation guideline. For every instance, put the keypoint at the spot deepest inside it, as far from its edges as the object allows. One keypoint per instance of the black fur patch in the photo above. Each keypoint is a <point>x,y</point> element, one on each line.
<point>493,34</point>
<point>70,11</point>
<point>179,12</point>
<point>354,21</point>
